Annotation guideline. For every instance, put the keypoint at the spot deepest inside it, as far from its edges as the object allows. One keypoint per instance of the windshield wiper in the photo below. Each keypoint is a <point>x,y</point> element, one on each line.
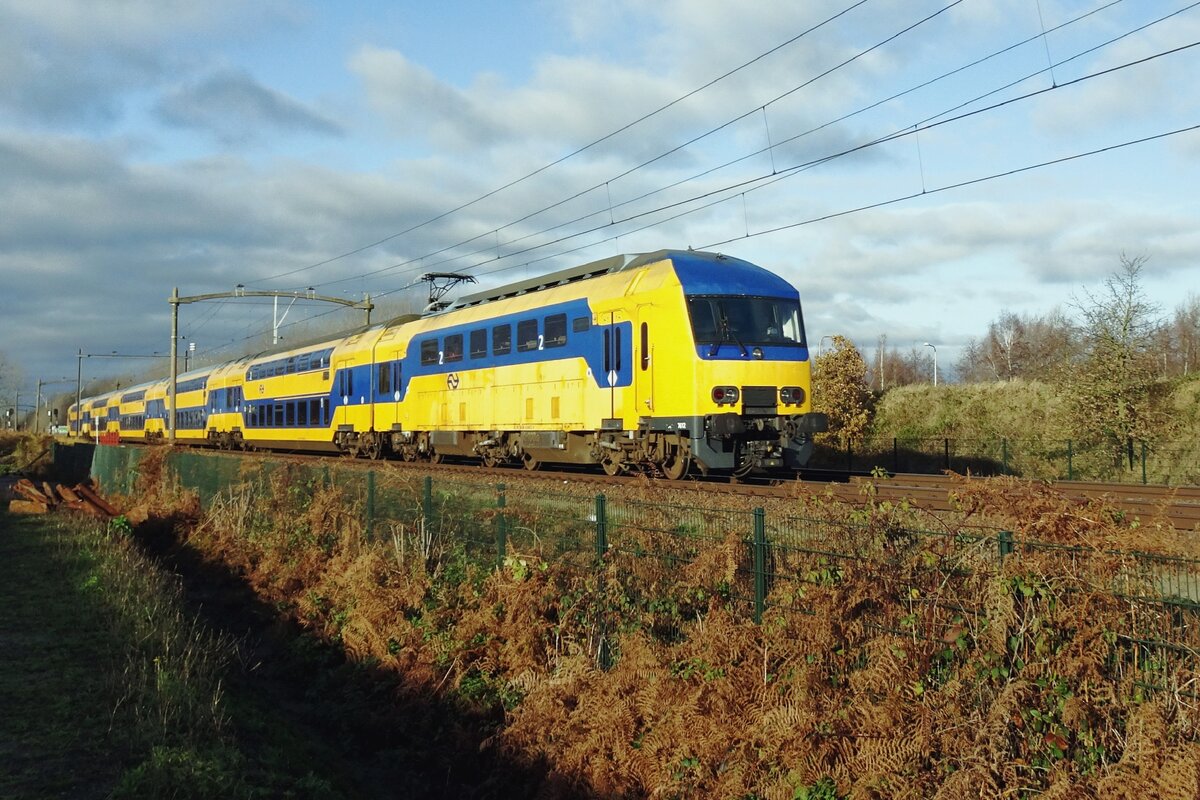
<point>727,334</point>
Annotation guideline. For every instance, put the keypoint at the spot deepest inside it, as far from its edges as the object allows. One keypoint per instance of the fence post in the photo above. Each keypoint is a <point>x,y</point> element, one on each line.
<point>427,505</point>
<point>370,505</point>
<point>1129,450</point>
<point>895,455</point>
<point>603,652</point>
<point>1004,544</point>
<point>501,527</point>
<point>1004,444</point>
<point>1070,462</point>
<point>760,564</point>
<point>601,527</point>
<point>1143,462</point>
<point>946,451</point>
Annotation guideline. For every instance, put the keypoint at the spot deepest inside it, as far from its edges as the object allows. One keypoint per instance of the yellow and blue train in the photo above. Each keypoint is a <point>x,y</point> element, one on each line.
<point>668,361</point>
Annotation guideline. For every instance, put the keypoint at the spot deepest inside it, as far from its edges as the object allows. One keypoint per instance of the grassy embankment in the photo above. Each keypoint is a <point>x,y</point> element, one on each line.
<point>1031,416</point>
<point>112,688</point>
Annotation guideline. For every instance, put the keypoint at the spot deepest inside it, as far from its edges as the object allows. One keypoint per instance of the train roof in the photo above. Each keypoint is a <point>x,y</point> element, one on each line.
<point>699,266</point>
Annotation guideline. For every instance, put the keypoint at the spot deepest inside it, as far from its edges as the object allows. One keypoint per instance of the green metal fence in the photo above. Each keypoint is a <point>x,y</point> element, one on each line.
<point>926,583</point>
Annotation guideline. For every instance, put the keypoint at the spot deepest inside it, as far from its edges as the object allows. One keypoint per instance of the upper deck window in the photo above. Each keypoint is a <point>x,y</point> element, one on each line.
<point>479,343</point>
<point>746,321</point>
<point>501,340</point>
<point>527,335</point>
<point>429,352</point>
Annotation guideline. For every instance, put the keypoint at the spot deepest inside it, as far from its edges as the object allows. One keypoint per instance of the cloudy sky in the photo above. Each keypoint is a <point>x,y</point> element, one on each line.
<point>892,158</point>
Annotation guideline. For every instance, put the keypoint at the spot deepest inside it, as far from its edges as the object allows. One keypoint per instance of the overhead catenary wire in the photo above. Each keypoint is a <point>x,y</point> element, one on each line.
<point>935,189</point>
<point>787,140</point>
<point>905,197</point>
<point>752,184</point>
<point>675,149</point>
<point>580,150</point>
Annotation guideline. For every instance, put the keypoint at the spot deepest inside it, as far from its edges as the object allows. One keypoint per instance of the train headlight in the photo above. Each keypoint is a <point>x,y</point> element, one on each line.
<point>791,395</point>
<point>725,395</point>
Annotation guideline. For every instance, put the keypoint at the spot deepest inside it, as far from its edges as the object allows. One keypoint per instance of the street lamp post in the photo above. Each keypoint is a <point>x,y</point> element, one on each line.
<point>934,349</point>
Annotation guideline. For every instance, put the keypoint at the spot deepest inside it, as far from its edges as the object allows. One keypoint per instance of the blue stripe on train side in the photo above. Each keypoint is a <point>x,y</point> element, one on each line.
<point>588,345</point>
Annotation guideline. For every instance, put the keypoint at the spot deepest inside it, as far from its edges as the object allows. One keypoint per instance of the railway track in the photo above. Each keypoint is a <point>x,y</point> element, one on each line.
<point>1178,506</point>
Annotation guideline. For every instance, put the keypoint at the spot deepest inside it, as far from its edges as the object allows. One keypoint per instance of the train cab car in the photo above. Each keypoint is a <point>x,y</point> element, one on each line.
<point>73,420</point>
<point>668,360</point>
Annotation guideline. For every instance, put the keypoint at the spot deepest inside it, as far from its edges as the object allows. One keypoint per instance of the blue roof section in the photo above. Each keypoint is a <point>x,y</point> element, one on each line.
<point>712,273</point>
<point>700,273</point>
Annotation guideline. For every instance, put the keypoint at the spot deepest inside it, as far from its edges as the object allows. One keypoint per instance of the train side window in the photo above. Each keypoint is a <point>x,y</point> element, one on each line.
<point>302,413</point>
<point>581,324</point>
<point>279,415</point>
<point>290,411</point>
<point>384,384</point>
<point>479,343</point>
<point>645,347</point>
<point>454,348</point>
<point>607,351</point>
<point>527,335</point>
<point>429,352</point>
<point>556,330</point>
<point>501,340</point>
<point>617,348</point>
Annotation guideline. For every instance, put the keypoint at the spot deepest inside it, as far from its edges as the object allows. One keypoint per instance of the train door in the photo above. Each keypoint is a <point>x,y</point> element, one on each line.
<point>345,392</point>
<point>613,362</point>
<point>643,361</point>
<point>387,388</point>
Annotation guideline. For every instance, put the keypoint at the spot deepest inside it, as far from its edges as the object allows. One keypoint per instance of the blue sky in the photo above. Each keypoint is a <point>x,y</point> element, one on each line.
<point>146,145</point>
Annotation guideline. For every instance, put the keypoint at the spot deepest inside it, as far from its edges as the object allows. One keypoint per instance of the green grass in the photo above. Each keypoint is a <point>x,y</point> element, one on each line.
<point>55,649</point>
<point>110,687</point>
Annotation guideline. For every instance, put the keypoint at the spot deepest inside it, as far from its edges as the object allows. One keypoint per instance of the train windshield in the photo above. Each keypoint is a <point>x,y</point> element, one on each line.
<point>718,320</point>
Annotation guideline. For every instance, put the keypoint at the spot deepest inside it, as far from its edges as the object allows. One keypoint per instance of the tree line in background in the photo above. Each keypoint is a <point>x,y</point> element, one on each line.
<point>1115,362</point>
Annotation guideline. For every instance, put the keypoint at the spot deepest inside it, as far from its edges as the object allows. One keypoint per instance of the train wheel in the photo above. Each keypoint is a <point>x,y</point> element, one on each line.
<point>677,465</point>
<point>611,466</point>
<point>530,463</point>
<point>372,446</point>
<point>436,458</point>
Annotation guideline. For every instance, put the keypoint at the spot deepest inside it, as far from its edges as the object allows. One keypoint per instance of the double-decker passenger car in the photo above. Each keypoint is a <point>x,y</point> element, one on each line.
<point>670,360</point>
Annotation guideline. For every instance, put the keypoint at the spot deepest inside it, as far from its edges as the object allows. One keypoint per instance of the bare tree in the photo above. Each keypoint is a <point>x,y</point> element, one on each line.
<point>1110,391</point>
<point>1183,333</point>
<point>1018,346</point>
